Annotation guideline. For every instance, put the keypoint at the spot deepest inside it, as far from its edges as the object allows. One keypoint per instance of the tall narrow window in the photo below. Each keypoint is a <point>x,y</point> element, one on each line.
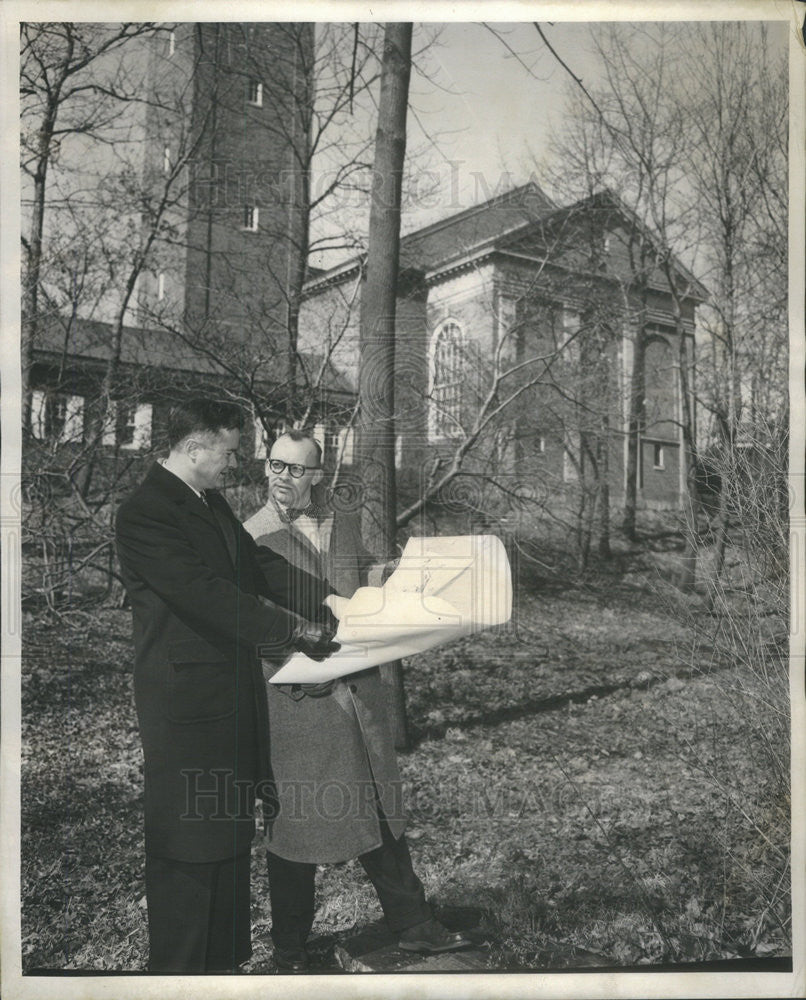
<point>74,420</point>
<point>255,92</point>
<point>568,339</point>
<point>260,438</point>
<point>125,423</point>
<point>171,42</point>
<point>447,377</point>
<point>251,214</point>
<point>657,456</point>
<point>319,434</point>
<point>134,425</point>
<point>142,425</point>
<point>57,416</point>
<point>110,426</point>
<point>166,160</point>
<point>160,286</point>
<point>38,409</point>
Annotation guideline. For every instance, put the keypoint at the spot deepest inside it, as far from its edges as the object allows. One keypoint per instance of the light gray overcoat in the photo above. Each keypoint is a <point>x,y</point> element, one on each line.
<point>331,755</point>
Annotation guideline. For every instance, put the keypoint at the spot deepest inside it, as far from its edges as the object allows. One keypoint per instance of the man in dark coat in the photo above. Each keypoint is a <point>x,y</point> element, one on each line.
<point>337,788</point>
<point>203,617</point>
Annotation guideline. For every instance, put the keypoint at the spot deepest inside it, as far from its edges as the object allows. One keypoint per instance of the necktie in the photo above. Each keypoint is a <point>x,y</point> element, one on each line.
<point>224,526</point>
<point>294,512</point>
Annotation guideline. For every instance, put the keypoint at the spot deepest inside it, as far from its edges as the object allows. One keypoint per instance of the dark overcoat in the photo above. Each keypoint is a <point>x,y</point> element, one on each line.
<point>330,755</point>
<point>201,624</point>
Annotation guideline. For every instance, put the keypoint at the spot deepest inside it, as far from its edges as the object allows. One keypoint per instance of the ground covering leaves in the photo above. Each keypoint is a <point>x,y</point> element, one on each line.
<point>587,784</point>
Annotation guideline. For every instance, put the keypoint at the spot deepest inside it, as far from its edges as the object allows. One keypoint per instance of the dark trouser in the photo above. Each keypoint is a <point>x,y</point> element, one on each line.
<point>198,914</point>
<point>291,889</point>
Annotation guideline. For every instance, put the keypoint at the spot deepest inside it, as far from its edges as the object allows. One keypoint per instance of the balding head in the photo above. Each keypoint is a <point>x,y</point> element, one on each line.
<point>304,454</point>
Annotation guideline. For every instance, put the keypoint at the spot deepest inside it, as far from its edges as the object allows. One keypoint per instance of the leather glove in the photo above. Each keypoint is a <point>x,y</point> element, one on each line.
<point>314,640</point>
<point>325,616</point>
<point>389,569</point>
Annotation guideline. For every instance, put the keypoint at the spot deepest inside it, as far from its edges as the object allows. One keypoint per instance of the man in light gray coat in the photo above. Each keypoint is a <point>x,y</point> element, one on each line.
<point>336,788</point>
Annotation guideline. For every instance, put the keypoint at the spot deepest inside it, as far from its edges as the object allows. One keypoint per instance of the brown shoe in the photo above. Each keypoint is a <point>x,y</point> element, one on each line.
<point>432,937</point>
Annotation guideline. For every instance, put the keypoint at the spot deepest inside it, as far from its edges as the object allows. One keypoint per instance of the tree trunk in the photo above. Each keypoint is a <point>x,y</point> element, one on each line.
<point>728,421</point>
<point>586,473</point>
<point>30,300</point>
<point>376,429</point>
<point>299,221</point>
<point>691,498</point>
<point>603,464</point>
<point>634,426</point>
<point>720,547</point>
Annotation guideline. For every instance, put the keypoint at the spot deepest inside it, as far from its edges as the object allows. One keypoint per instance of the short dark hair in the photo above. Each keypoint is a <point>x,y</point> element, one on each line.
<point>202,415</point>
<point>296,435</point>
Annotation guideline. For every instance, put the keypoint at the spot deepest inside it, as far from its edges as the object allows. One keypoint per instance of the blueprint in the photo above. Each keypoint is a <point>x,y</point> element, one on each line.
<point>443,588</point>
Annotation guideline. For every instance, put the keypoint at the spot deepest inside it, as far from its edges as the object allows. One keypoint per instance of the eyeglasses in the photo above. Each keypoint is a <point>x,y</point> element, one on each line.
<point>297,471</point>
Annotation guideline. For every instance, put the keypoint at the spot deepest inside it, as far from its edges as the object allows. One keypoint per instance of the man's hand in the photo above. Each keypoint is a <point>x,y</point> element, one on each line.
<point>326,617</point>
<point>388,569</point>
<point>314,640</point>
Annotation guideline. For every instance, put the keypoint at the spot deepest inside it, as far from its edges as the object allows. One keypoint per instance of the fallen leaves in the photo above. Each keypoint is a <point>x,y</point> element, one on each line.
<point>576,826</point>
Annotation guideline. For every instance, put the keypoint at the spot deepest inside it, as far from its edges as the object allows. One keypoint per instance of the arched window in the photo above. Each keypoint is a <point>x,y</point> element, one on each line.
<point>447,375</point>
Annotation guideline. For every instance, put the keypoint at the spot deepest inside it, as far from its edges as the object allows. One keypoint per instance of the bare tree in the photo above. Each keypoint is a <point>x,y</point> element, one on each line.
<point>716,198</point>
<point>109,209</point>
<point>376,429</point>
<point>74,82</point>
<point>321,92</point>
<point>626,136</point>
<point>736,103</point>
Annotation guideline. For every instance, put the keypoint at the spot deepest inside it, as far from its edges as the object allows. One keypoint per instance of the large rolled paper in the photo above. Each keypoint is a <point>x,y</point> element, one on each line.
<point>442,589</point>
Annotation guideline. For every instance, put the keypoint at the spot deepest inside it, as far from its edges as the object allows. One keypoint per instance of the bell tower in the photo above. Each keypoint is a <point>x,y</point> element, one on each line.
<point>224,127</point>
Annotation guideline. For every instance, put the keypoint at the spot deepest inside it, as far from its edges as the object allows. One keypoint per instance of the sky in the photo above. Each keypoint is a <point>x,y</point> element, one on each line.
<point>480,116</point>
<point>493,112</point>
<point>478,123</point>
<point>489,111</point>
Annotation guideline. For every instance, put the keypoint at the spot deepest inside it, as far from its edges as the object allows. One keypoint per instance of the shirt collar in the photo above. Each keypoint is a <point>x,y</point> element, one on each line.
<point>313,510</point>
<point>170,472</point>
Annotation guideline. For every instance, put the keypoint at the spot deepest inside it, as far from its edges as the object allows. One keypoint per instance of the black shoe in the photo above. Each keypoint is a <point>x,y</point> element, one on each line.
<point>293,960</point>
<point>430,936</point>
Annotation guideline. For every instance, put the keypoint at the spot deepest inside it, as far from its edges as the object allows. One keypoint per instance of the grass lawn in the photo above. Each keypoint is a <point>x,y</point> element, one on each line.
<point>589,784</point>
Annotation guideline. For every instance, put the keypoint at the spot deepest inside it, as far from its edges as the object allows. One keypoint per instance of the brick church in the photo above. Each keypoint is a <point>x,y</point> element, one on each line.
<point>517,322</point>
